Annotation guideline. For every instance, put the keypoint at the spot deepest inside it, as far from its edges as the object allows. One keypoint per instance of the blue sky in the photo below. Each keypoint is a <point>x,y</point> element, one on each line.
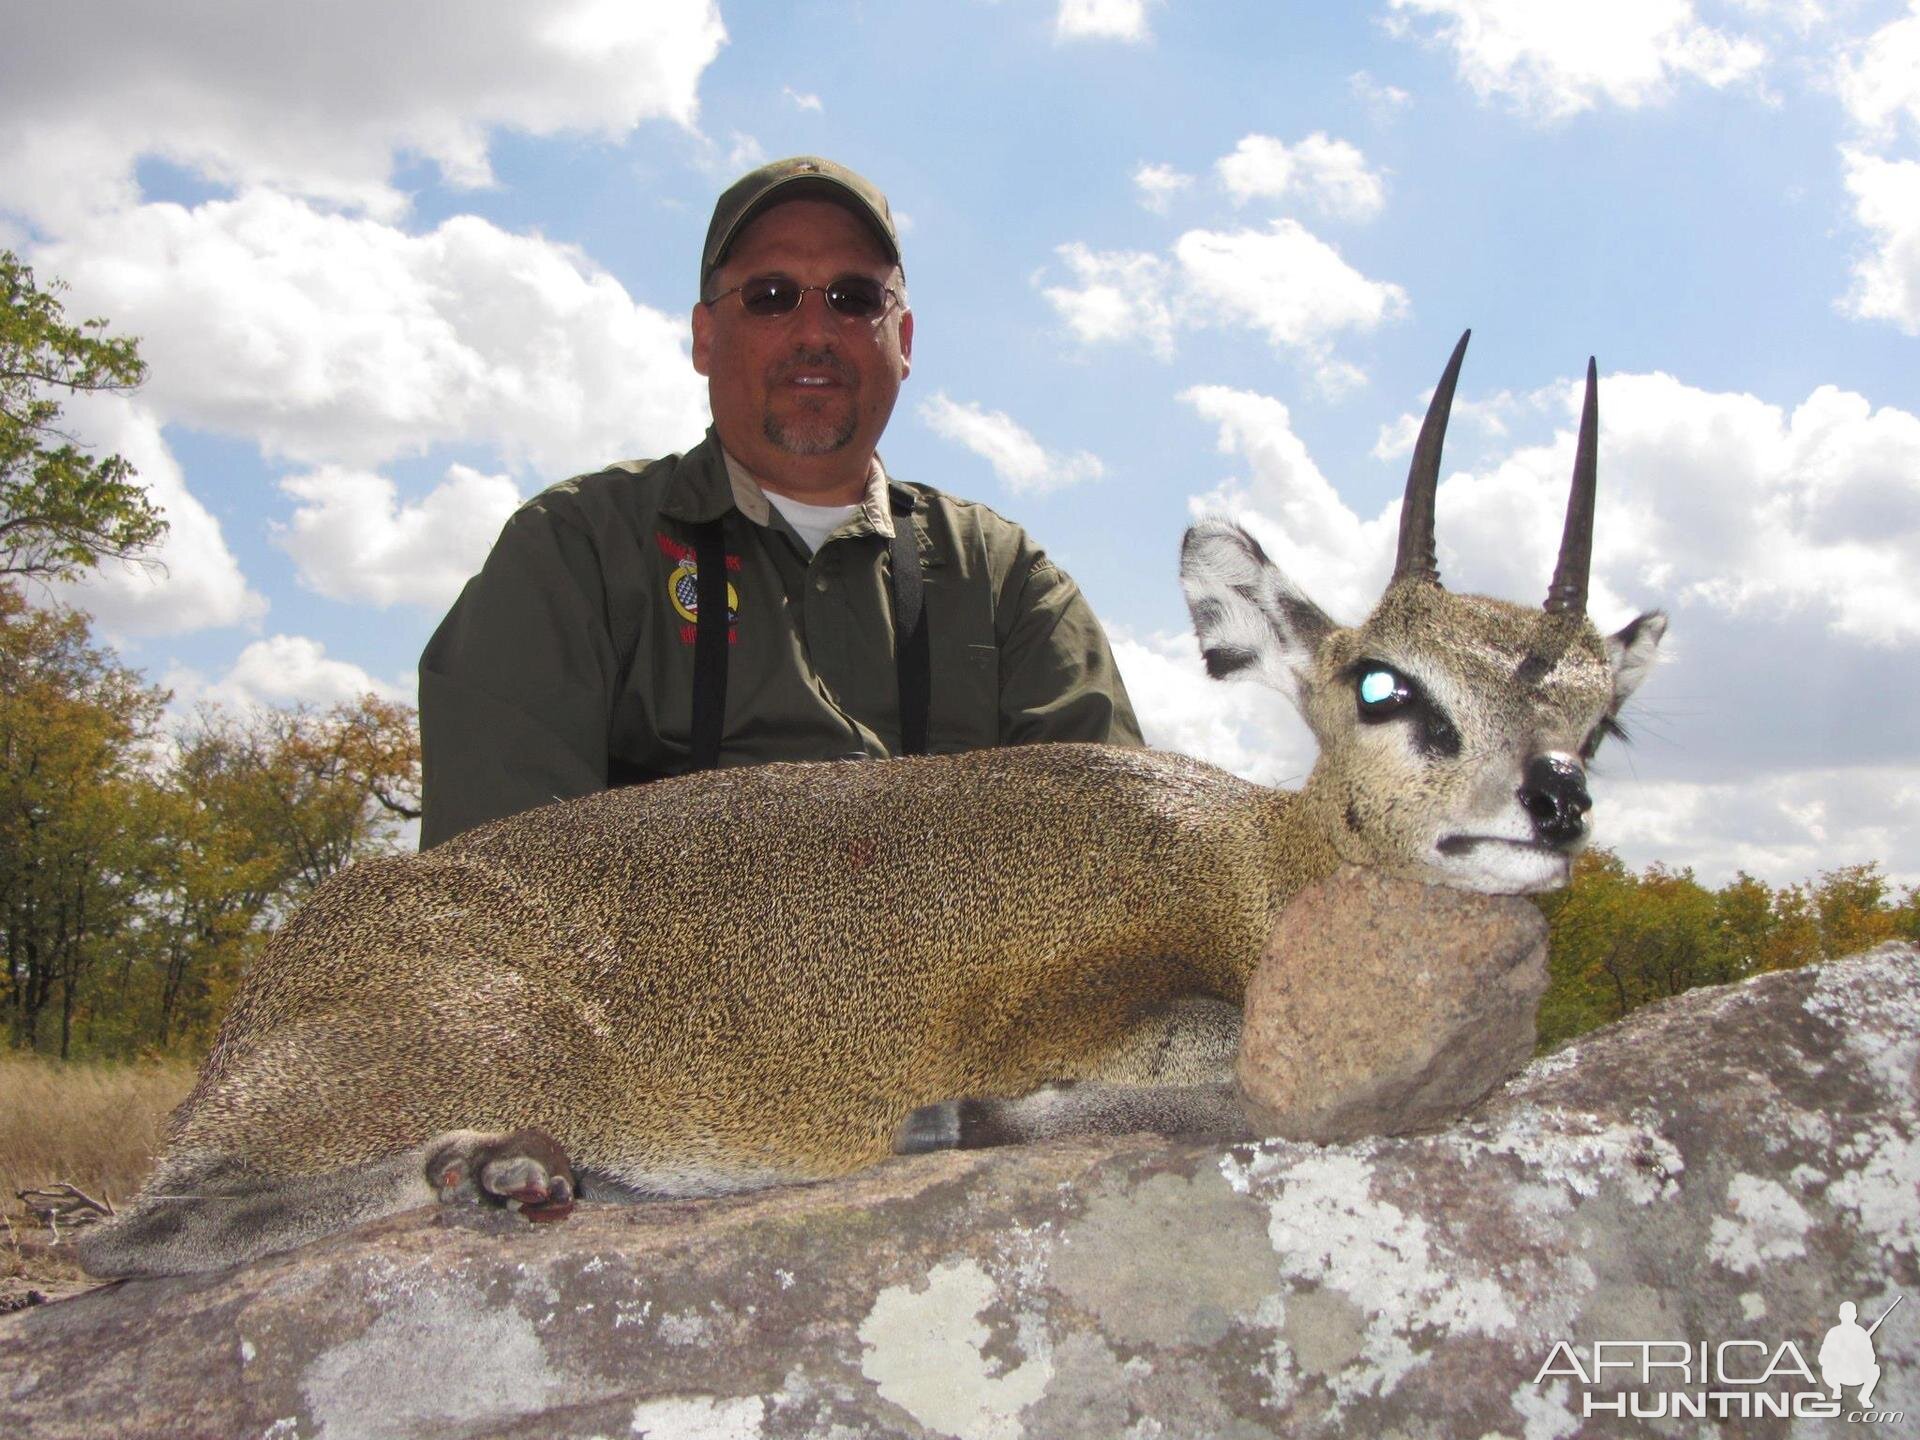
<point>396,268</point>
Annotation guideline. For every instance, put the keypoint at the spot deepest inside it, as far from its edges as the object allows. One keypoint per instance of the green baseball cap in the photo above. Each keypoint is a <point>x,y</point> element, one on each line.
<point>798,177</point>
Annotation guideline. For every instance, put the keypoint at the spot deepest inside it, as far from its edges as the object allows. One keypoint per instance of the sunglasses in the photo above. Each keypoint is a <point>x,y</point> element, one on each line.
<point>768,296</point>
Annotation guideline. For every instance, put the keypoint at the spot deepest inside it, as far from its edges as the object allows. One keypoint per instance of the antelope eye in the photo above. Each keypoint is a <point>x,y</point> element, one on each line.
<point>1383,692</point>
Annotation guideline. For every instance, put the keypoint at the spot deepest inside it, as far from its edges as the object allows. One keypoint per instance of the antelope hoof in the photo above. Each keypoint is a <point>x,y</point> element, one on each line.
<point>931,1127</point>
<point>525,1171</point>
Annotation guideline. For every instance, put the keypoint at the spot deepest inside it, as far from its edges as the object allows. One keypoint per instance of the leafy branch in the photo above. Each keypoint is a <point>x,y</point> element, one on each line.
<point>62,509</point>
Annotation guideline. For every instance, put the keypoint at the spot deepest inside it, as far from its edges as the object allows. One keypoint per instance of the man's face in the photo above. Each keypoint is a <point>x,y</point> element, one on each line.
<point>812,386</point>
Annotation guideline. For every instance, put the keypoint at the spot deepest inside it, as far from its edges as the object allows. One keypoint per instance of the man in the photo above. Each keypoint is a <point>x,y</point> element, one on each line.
<point>588,651</point>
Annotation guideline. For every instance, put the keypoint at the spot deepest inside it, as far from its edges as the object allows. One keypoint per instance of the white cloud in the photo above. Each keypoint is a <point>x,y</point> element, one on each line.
<point>1879,81</point>
<point>1786,545</point>
<point>1102,20</point>
<point>1714,500</point>
<point>1338,559</point>
<point>1159,185</point>
<point>744,153</point>
<point>1245,728</point>
<point>1121,296</point>
<point>1800,16</point>
<point>1290,284</point>
<point>284,670</point>
<point>1329,175</point>
<point>321,101</point>
<point>1397,437</point>
<point>293,313</point>
<point>1492,415</point>
<point>1783,828</point>
<point>1886,200</point>
<point>1282,281</point>
<point>1556,60</point>
<point>197,584</point>
<point>803,100</point>
<point>1879,78</point>
<point>1382,100</point>
<point>338,339</point>
<point>1022,463</point>
<point>352,540</point>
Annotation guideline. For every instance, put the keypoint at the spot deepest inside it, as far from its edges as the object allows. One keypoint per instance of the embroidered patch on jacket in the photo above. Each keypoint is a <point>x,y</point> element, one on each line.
<point>683,589</point>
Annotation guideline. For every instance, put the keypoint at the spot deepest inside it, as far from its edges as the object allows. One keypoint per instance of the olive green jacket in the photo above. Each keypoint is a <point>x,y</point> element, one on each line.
<point>566,665</point>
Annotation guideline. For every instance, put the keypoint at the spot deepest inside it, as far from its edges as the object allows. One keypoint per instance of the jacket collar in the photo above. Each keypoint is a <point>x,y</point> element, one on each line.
<point>698,490</point>
<point>707,482</point>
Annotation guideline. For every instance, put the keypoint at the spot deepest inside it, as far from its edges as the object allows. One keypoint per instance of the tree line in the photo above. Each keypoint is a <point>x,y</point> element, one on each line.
<point>145,859</point>
<point>143,863</point>
<point>1618,939</point>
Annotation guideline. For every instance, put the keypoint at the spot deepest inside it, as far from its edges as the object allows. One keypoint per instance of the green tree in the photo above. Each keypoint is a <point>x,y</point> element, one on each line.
<point>206,888</point>
<point>255,808</point>
<point>140,872</point>
<point>1678,940</point>
<point>61,510</point>
<point>1743,922</point>
<point>1851,906</point>
<point>76,755</point>
<point>1617,940</point>
<point>1794,939</point>
<point>312,790</point>
<point>1906,916</point>
<point>1589,961</point>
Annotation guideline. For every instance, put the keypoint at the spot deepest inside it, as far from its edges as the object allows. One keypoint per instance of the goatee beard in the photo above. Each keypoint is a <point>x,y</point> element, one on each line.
<point>816,430</point>
<point>810,435</point>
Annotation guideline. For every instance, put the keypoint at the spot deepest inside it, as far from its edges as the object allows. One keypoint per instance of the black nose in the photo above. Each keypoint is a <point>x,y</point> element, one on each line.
<point>1554,793</point>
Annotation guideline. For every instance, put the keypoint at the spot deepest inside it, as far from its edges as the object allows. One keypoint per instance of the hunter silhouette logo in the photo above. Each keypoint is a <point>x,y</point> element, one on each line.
<point>1846,1355</point>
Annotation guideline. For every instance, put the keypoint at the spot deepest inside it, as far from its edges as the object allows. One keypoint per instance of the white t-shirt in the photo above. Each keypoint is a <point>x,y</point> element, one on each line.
<point>812,523</point>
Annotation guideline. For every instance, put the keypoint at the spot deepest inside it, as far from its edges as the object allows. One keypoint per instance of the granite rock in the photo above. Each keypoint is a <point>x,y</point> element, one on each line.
<point>1384,1007</point>
<point>1727,1167</point>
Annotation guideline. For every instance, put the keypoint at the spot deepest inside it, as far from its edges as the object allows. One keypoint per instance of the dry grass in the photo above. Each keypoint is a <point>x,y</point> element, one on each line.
<point>95,1126</point>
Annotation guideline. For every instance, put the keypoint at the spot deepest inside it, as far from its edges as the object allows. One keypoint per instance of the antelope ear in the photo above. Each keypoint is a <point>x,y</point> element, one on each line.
<point>1250,618</point>
<point>1631,653</point>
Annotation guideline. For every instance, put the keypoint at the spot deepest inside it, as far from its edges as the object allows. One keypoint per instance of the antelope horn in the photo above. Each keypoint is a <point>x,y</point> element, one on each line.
<point>1416,559</point>
<point>1568,593</point>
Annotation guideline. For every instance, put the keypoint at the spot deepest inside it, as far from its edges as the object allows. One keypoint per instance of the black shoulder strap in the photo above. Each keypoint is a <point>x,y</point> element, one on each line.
<point>709,642</point>
<point>912,647</point>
